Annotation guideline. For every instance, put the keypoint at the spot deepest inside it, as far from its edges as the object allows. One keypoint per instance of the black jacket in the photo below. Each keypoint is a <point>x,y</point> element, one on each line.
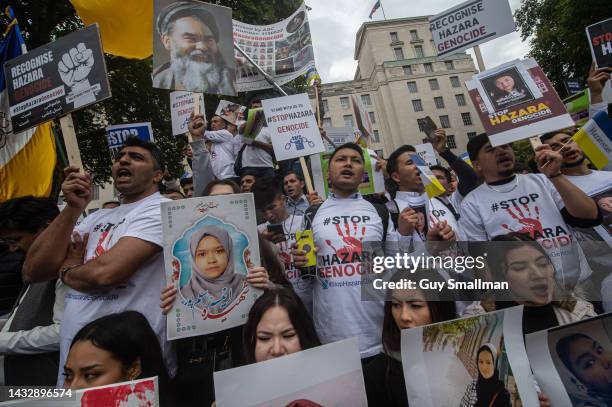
<point>384,382</point>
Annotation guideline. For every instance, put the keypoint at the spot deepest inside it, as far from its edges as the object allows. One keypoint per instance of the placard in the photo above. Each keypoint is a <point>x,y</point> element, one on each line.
<point>57,78</point>
<point>338,136</point>
<point>600,41</point>
<point>327,375</point>
<point>209,245</point>
<point>182,104</point>
<point>572,362</point>
<point>469,24</point>
<point>441,366</point>
<point>364,124</point>
<point>227,108</point>
<point>117,134</point>
<point>427,153</point>
<point>293,126</point>
<point>283,50</point>
<point>193,47</point>
<point>517,112</point>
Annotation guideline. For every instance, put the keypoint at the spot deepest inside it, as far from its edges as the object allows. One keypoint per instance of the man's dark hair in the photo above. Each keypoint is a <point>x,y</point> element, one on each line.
<point>475,144</point>
<point>266,190</point>
<point>244,173</point>
<point>172,190</point>
<point>552,134</point>
<point>158,158</point>
<point>216,182</point>
<point>27,214</point>
<point>392,161</point>
<point>111,202</point>
<point>298,176</point>
<point>352,146</point>
<point>185,181</point>
<point>447,173</point>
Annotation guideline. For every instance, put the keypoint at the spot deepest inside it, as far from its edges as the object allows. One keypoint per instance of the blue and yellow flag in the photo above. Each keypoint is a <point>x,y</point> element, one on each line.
<point>595,139</point>
<point>27,159</point>
<point>466,157</point>
<point>312,75</point>
<point>430,182</point>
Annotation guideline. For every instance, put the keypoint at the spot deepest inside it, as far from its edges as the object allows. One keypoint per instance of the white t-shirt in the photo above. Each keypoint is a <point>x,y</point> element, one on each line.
<point>258,157</point>
<point>140,292</point>
<point>302,287</point>
<point>529,204</point>
<point>339,228</point>
<point>222,154</point>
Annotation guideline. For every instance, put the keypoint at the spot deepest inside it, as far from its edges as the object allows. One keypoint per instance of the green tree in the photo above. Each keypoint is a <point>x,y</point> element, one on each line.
<point>133,97</point>
<point>556,33</point>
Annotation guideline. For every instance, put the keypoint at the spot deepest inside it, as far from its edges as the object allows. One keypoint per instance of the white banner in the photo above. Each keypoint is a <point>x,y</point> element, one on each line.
<point>181,105</point>
<point>469,24</point>
<point>293,127</point>
<point>427,153</point>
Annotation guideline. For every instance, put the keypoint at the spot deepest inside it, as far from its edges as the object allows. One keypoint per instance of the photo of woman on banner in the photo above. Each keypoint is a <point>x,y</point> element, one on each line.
<point>506,88</point>
<point>213,283</point>
<point>486,390</point>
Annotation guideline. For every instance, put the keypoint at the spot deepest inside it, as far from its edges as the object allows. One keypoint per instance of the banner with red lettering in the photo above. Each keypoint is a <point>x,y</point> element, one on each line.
<point>516,101</point>
<point>600,41</point>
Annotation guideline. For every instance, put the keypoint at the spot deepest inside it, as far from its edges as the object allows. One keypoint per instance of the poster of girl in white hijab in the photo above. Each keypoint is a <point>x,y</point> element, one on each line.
<point>474,361</point>
<point>573,363</point>
<point>210,243</point>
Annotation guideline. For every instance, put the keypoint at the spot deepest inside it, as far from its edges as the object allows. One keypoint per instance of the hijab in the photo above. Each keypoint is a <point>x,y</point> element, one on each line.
<point>223,289</point>
<point>486,389</point>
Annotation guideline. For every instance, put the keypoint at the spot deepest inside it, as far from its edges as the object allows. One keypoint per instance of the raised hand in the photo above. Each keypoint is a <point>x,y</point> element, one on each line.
<point>76,188</point>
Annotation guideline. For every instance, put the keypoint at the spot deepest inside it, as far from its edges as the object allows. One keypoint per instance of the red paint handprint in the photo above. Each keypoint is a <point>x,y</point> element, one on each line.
<point>530,225</point>
<point>352,243</point>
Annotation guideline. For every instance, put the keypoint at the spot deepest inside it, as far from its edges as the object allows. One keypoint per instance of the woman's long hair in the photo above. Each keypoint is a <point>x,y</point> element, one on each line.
<point>129,338</point>
<point>298,315</point>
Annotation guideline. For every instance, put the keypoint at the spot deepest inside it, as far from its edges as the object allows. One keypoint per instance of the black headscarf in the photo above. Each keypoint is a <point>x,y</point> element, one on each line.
<point>486,389</point>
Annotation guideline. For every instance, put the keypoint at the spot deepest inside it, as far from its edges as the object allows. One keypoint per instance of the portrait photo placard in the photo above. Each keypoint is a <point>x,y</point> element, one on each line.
<point>209,245</point>
<point>193,47</point>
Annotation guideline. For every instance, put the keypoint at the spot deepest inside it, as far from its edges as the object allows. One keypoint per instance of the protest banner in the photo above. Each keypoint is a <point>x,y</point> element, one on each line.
<point>562,359</point>
<point>427,153</point>
<point>211,297</point>
<point>182,104</point>
<point>338,136</point>
<point>469,24</point>
<point>177,63</point>
<point>118,133</point>
<point>595,139</point>
<point>508,104</point>
<point>373,181</point>
<point>56,78</point>
<point>362,119</point>
<point>135,393</point>
<point>229,110</point>
<point>255,121</point>
<point>577,106</point>
<point>573,86</point>
<point>312,377</point>
<point>600,41</point>
<point>283,50</point>
<point>293,127</point>
<point>453,347</point>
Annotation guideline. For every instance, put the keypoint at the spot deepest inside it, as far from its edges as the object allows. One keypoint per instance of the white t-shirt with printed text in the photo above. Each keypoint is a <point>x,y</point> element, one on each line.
<point>258,157</point>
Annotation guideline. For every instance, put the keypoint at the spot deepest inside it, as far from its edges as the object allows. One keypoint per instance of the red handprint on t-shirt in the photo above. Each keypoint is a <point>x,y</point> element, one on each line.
<point>352,244</point>
<point>530,225</point>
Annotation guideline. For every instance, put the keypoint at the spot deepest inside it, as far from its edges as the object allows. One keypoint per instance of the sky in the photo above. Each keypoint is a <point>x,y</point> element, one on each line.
<point>334,24</point>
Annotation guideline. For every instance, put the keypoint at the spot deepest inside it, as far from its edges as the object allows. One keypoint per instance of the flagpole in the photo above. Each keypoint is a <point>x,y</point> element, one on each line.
<point>383,10</point>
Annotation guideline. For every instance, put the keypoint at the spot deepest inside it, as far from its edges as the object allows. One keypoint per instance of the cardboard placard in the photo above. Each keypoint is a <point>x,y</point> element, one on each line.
<point>182,104</point>
<point>600,41</point>
<point>117,134</point>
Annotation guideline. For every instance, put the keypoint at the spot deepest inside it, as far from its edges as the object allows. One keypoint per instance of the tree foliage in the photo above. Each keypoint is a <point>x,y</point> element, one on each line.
<point>556,33</point>
<point>133,97</point>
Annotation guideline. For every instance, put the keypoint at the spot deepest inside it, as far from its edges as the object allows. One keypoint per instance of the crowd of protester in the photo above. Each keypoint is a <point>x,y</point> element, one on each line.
<point>92,305</point>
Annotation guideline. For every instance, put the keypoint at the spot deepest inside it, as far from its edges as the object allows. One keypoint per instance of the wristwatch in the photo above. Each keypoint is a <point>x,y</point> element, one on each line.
<point>65,271</point>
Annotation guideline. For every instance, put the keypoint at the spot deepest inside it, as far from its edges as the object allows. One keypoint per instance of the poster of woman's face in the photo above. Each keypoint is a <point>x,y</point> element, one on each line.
<point>210,245</point>
<point>506,88</point>
<point>604,201</point>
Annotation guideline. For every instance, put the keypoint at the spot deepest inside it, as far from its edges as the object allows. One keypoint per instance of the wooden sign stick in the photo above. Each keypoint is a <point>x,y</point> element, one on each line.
<point>70,141</point>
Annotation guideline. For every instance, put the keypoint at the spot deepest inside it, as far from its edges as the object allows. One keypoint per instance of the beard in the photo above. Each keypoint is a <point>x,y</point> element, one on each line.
<point>574,163</point>
<point>196,75</point>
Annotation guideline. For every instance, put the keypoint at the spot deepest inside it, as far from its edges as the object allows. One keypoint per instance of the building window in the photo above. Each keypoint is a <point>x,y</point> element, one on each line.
<point>418,51</point>
<point>414,35</point>
<point>422,124</point>
<point>327,122</point>
<point>376,137</point>
<point>407,69</point>
<point>467,119</point>
<point>455,82</point>
<point>325,105</point>
<point>417,105</point>
<point>365,100</point>
<point>412,87</point>
<point>445,122</point>
<point>394,37</point>
<point>471,135</point>
<point>428,67</point>
<point>450,141</point>
<point>344,102</point>
<point>348,121</point>
<point>372,117</point>
<point>439,101</point>
<point>460,99</point>
<point>449,65</point>
<point>399,53</point>
<point>433,84</point>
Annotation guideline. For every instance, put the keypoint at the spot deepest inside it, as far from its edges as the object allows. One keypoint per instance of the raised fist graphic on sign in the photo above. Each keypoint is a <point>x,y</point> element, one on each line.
<point>76,65</point>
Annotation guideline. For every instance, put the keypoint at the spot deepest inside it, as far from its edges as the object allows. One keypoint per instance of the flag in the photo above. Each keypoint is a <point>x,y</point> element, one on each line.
<point>376,7</point>
<point>466,157</point>
<point>27,159</point>
<point>125,26</point>
<point>312,75</point>
<point>432,185</point>
<point>595,139</point>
